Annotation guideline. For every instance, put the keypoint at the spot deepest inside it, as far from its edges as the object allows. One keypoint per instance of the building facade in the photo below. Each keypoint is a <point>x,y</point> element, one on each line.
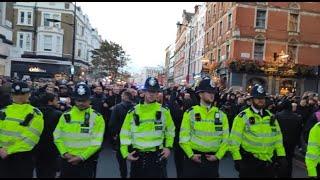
<point>169,65</point>
<point>5,37</point>
<point>44,48</point>
<point>280,33</point>
<point>197,32</point>
<point>180,58</point>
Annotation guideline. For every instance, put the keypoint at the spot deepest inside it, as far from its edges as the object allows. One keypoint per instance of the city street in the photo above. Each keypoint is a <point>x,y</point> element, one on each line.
<point>108,167</point>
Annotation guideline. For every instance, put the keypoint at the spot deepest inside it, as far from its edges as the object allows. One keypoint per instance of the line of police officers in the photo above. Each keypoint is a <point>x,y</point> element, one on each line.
<point>147,136</point>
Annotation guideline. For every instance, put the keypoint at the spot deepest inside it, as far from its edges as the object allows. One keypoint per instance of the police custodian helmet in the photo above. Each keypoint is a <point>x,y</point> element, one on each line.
<point>206,85</point>
<point>18,88</point>
<point>151,84</point>
<point>258,92</point>
<point>82,92</point>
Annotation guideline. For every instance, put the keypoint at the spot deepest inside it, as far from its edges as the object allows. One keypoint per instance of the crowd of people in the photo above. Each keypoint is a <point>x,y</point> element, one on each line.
<point>296,115</point>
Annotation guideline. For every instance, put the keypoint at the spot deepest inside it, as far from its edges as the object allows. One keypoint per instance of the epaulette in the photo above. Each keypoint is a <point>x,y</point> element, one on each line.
<point>37,111</point>
<point>188,110</point>
<point>241,114</point>
<point>130,110</point>
<point>166,107</point>
<point>99,114</point>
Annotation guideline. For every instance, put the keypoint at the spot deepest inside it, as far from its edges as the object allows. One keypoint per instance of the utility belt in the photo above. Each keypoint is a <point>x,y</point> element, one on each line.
<point>203,153</point>
<point>142,154</point>
<point>247,156</point>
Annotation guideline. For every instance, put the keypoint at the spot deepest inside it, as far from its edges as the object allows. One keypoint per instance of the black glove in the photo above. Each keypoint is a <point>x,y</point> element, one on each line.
<point>237,164</point>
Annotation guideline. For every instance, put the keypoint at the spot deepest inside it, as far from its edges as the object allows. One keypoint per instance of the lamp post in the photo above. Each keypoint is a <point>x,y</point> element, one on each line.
<point>73,37</point>
<point>190,28</point>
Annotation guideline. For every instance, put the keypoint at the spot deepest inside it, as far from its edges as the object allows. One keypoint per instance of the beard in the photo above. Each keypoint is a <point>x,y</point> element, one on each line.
<point>257,106</point>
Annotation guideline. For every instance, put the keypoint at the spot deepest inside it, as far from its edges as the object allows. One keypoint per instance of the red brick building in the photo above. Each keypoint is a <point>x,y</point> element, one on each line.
<point>284,34</point>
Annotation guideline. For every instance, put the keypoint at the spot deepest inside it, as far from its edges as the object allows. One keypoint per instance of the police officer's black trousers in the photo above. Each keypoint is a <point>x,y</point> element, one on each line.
<point>255,168</point>
<point>178,159</point>
<point>84,169</point>
<point>205,169</point>
<point>46,167</point>
<point>122,164</point>
<point>19,165</point>
<point>148,166</point>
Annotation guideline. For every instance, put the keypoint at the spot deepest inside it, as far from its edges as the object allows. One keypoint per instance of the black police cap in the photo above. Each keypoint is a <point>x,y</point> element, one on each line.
<point>258,92</point>
<point>82,92</point>
<point>151,84</point>
<point>206,85</point>
<point>20,88</point>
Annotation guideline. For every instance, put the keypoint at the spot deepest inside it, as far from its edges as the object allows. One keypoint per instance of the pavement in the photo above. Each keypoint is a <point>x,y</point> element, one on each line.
<point>108,166</point>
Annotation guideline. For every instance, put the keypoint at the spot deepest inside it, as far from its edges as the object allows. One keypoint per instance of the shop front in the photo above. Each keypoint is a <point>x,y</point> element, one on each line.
<point>38,70</point>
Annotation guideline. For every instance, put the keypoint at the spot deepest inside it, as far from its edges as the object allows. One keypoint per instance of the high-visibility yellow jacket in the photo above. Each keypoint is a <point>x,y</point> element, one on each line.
<point>72,134</point>
<point>260,138</point>
<point>204,131</point>
<point>16,133</point>
<point>150,131</point>
<point>312,158</point>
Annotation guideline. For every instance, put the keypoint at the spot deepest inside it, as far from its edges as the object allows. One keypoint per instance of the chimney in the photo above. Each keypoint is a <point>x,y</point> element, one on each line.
<point>196,9</point>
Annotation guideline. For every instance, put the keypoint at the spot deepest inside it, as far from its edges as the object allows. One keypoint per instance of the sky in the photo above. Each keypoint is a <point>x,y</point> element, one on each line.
<point>143,29</point>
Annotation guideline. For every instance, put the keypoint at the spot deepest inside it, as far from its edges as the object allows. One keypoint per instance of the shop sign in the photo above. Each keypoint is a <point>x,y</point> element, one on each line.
<point>36,69</point>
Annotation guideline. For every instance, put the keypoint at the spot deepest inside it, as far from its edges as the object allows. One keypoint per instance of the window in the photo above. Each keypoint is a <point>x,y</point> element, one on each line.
<point>261,19</point>
<point>82,30</point>
<point>28,41</point>
<point>29,17</point>
<point>212,34</point>
<point>47,44</point>
<point>21,40</point>
<point>24,40</point>
<point>66,5</point>
<point>220,28</point>
<point>25,17</point>
<point>58,45</point>
<point>227,51</point>
<point>79,49</point>
<point>229,20</point>
<point>214,9</point>
<point>258,50</point>
<point>293,22</point>
<point>292,52</point>
<point>22,17</point>
<point>57,17</point>
<point>219,55</point>
<point>46,16</point>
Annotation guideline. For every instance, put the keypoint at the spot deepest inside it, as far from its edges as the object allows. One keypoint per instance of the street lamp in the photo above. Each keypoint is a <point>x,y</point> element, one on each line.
<point>190,28</point>
<point>73,37</point>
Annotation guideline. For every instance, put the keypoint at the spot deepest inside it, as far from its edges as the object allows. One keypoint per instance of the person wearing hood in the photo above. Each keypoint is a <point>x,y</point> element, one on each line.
<point>118,115</point>
<point>290,124</point>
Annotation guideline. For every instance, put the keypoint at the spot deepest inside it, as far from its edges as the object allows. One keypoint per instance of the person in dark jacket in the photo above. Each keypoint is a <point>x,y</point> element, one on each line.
<point>46,153</point>
<point>290,125</point>
<point>98,99</point>
<point>118,115</point>
<point>176,107</point>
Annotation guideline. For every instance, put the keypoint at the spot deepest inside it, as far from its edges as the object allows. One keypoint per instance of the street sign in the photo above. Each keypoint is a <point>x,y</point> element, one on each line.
<point>72,69</point>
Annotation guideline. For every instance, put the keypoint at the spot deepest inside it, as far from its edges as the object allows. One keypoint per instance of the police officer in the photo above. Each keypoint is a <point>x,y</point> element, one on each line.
<point>20,128</point>
<point>148,128</point>
<point>313,152</point>
<point>79,135</point>
<point>204,135</point>
<point>254,137</point>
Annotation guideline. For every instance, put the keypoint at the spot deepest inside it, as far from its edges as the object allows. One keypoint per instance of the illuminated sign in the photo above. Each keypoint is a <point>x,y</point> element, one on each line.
<point>36,69</point>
